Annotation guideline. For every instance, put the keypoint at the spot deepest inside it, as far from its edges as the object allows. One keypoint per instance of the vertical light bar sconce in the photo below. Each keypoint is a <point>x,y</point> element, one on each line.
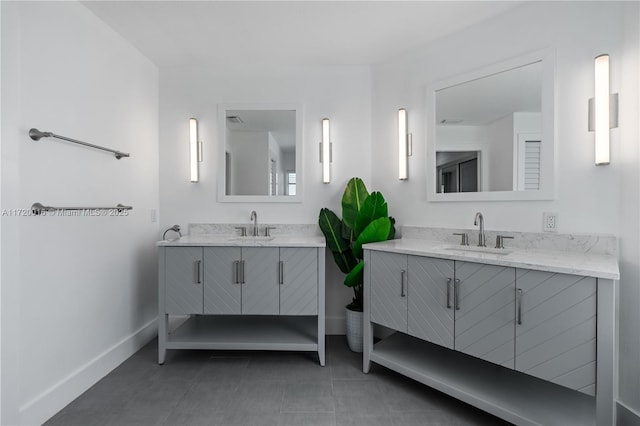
<point>325,151</point>
<point>603,111</point>
<point>195,150</point>
<point>404,145</point>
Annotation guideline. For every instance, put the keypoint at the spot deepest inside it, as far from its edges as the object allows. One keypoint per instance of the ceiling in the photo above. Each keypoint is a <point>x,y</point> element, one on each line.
<point>209,33</point>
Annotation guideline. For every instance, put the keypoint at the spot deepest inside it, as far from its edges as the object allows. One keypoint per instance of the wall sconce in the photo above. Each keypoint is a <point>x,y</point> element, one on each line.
<point>603,110</point>
<point>195,150</point>
<point>326,157</point>
<point>404,145</point>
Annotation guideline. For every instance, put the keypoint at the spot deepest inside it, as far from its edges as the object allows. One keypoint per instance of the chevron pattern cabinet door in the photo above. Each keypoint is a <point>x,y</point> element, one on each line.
<point>556,340</point>
<point>299,287</point>
<point>260,291</point>
<point>485,318</point>
<point>221,293</point>
<point>431,315</point>
<point>388,305</point>
<point>183,293</point>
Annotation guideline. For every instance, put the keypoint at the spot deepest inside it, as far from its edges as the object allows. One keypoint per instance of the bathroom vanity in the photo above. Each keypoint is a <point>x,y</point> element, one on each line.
<point>242,293</point>
<point>524,334</point>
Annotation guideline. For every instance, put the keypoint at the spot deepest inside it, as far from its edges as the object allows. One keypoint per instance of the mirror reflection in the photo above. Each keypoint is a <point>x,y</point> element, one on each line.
<point>260,152</point>
<point>488,132</point>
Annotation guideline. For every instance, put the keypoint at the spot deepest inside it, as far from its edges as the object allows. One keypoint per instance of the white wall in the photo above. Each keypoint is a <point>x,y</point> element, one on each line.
<point>78,293</point>
<point>343,94</point>
<point>499,134</point>
<point>589,199</point>
<point>249,162</point>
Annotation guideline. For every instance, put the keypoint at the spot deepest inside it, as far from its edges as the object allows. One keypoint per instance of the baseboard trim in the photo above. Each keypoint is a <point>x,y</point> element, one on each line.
<point>335,325</point>
<point>44,406</point>
<point>626,416</point>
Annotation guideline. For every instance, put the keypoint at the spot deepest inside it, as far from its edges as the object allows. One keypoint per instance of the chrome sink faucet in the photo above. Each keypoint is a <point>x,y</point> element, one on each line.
<point>254,218</point>
<point>479,220</point>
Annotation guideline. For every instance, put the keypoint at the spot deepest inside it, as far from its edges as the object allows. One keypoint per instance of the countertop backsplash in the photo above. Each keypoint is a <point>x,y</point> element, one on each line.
<point>279,229</point>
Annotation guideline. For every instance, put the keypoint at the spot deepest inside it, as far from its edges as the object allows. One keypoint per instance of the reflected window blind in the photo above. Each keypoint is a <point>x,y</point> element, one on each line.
<point>532,165</point>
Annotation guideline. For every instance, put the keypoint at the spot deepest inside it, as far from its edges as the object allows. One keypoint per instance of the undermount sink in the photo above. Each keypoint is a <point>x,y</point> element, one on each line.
<point>476,249</point>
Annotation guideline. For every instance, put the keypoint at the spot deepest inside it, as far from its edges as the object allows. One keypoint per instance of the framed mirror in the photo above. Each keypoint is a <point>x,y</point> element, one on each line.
<point>260,153</point>
<point>491,133</point>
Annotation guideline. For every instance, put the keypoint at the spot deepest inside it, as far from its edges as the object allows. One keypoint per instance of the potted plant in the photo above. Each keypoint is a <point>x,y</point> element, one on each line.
<point>364,220</point>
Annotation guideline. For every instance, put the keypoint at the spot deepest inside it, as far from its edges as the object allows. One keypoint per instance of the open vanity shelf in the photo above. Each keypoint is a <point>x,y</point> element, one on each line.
<point>297,333</point>
<point>510,395</point>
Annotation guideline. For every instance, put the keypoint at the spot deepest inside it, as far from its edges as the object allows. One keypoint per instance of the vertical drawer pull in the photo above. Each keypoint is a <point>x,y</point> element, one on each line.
<point>448,293</point>
<point>402,292</point>
<point>281,272</point>
<point>519,306</point>
<point>242,272</point>
<point>236,273</point>
<point>456,294</point>
<point>198,271</point>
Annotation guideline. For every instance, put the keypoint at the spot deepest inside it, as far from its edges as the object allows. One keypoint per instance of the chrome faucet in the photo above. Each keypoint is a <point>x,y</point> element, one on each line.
<point>254,218</point>
<point>479,220</point>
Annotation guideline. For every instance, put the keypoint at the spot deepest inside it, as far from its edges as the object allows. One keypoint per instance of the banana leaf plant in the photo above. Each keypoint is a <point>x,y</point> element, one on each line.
<point>364,220</point>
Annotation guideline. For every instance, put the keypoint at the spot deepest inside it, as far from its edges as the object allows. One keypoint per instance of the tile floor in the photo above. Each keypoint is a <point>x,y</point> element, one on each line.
<point>262,388</point>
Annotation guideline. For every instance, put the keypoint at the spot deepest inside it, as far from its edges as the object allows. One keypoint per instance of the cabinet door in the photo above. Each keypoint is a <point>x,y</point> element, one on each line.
<point>485,312</point>
<point>389,290</point>
<point>223,289</point>
<point>556,328</point>
<point>260,289</point>
<point>183,280</point>
<point>298,281</point>
<point>431,312</point>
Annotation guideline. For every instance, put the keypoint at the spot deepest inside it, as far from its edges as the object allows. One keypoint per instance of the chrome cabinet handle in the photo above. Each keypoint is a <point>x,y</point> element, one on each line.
<point>519,306</point>
<point>236,273</point>
<point>456,294</point>
<point>448,293</point>
<point>281,272</point>
<point>402,291</point>
<point>198,271</point>
<point>242,272</point>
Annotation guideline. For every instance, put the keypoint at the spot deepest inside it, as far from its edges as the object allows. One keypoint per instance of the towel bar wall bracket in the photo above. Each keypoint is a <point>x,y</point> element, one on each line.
<point>36,135</point>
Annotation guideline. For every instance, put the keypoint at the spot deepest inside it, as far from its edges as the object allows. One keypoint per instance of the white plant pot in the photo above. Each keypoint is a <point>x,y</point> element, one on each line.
<point>354,330</point>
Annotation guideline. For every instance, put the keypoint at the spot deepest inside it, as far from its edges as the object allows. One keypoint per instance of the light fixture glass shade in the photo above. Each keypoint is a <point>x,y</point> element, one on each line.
<point>193,149</point>
<point>402,144</point>
<point>326,151</point>
<point>601,110</point>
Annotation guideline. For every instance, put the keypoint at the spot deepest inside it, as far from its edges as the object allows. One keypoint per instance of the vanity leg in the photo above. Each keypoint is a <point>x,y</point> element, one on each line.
<point>163,323</point>
<point>367,332</point>
<point>606,352</point>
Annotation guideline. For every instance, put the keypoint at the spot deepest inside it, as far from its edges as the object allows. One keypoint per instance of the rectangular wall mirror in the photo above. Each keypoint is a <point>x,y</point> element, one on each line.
<point>491,132</point>
<point>261,153</point>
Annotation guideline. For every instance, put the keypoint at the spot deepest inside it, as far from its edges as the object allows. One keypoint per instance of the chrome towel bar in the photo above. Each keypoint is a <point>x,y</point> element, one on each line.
<point>38,208</point>
<point>36,135</point>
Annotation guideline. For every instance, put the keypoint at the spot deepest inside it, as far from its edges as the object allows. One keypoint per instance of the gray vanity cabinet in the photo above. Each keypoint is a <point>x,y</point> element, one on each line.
<point>223,292</point>
<point>184,280</point>
<point>389,290</point>
<point>485,311</point>
<point>556,328</point>
<point>431,302</point>
<point>298,279</point>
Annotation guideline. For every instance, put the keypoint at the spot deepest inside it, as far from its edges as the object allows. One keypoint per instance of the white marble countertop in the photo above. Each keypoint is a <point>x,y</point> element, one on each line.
<point>237,241</point>
<point>566,262</point>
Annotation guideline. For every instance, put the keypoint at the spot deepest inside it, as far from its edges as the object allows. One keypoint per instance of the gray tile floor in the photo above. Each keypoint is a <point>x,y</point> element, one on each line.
<point>262,388</point>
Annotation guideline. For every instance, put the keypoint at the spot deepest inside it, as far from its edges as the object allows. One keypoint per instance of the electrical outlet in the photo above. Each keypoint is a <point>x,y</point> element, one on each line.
<point>153,216</point>
<point>550,222</point>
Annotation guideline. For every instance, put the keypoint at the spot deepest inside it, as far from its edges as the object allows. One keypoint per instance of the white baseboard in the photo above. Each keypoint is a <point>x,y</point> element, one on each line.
<point>335,325</point>
<point>626,416</point>
<point>44,406</point>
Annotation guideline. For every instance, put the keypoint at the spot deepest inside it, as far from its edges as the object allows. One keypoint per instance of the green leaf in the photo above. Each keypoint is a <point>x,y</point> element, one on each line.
<point>356,276</point>
<point>354,195</point>
<point>377,230</point>
<point>331,227</point>
<point>373,208</point>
